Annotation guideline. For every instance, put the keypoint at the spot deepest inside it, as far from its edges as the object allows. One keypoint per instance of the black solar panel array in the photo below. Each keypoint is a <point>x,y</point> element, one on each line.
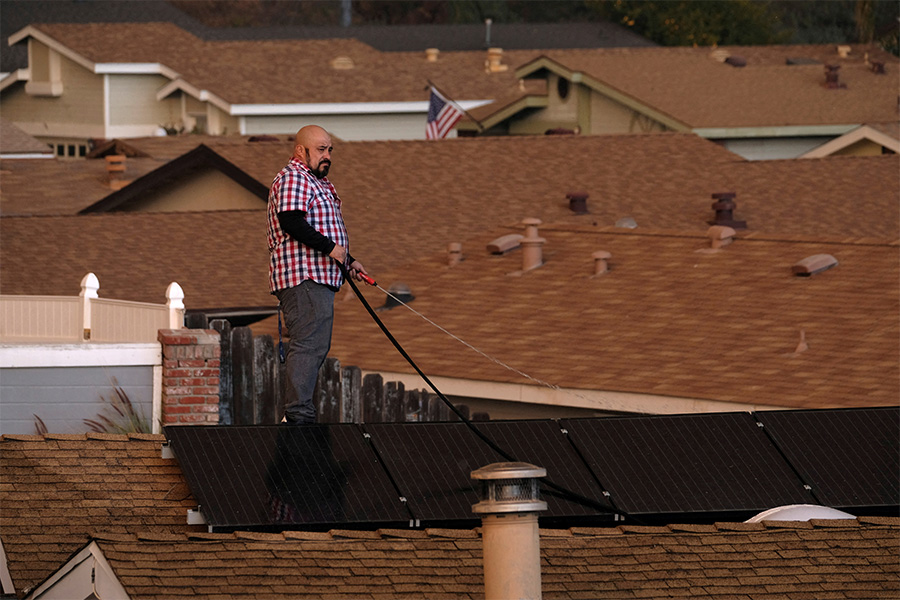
<point>849,458</point>
<point>655,468</point>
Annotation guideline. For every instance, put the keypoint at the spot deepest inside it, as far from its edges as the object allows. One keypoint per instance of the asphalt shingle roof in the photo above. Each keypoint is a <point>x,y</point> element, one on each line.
<point>59,489</point>
<point>817,559</point>
<point>669,318</point>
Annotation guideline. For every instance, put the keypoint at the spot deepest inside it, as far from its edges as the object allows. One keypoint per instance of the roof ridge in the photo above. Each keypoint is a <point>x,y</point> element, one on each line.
<point>83,437</point>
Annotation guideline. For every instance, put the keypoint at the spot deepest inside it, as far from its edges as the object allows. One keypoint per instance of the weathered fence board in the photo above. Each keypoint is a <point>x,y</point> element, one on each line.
<point>253,388</point>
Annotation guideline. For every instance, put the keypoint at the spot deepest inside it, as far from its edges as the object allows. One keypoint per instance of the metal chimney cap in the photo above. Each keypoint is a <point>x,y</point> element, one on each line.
<point>509,470</point>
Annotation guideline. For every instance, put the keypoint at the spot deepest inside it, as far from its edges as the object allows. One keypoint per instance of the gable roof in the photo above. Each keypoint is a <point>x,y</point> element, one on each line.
<point>59,489</point>
<point>15,143</point>
<point>863,133</point>
<point>840,559</point>
<point>692,88</point>
<point>670,320</point>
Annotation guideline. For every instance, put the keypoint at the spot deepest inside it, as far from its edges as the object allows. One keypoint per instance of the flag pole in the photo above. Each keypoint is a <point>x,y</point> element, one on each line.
<point>442,93</point>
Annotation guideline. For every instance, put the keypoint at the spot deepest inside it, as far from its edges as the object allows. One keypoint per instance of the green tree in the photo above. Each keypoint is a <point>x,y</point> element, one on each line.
<point>689,22</point>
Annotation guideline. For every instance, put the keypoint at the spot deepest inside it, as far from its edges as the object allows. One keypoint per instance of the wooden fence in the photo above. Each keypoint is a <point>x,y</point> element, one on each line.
<point>253,387</point>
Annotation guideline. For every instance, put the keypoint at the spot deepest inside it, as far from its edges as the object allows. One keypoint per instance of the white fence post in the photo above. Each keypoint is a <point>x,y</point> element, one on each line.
<point>89,286</point>
<point>175,303</point>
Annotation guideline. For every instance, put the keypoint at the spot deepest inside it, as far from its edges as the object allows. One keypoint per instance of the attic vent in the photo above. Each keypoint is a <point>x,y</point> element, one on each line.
<point>399,293</point>
<point>341,63</point>
<point>505,243</point>
<point>814,264</point>
<point>736,61</point>
<point>877,67</point>
<point>431,54</point>
<point>719,55</point>
<point>720,236</point>
<point>601,262</point>
<point>627,223</point>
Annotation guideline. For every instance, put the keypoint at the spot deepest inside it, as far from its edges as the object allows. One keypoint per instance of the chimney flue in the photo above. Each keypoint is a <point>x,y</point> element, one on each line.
<point>532,245</point>
<point>509,507</point>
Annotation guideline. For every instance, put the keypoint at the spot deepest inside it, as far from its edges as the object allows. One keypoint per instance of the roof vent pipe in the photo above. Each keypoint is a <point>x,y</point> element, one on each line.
<point>454,254</point>
<point>814,264</point>
<point>532,245</point>
<point>578,202</point>
<point>720,236</point>
<point>601,265</point>
<point>492,64</point>
<point>431,54</point>
<point>724,206</point>
<point>509,507</point>
<point>487,32</point>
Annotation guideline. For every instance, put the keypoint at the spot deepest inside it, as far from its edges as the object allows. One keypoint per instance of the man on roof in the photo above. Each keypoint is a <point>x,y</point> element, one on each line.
<point>308,245</point>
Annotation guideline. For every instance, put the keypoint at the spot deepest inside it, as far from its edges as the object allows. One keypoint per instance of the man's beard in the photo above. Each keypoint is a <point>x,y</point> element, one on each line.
<point>322,170</point>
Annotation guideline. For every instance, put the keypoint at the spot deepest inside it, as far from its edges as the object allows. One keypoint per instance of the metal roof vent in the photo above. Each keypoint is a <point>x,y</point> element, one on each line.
<point>831,78</point>
<point>627,223</point>
<point>504,244</point>
<point>398,295</point>
<point>736,61</point>
<point>724,206</point>
<point>509,506</point>
<point>431,54</point>
<point>720,236</point>
<point>532,245</point>
<point>578,202</point>
<point>454,254</point>
<point>814,264</point>
<point>601,264</point>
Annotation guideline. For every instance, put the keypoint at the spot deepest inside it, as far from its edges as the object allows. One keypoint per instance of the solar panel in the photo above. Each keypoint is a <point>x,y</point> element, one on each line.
<point>705,463</point>
<point>431,464</point>
<point>282,477</point>
<point>850,458</point>
<point>544,444</point>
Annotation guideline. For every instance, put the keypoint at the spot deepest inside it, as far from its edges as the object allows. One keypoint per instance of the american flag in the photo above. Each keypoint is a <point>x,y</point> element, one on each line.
<point>443,114</point>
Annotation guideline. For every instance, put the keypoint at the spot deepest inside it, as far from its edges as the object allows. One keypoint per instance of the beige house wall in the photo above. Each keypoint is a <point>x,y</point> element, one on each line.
<point>861,148</point>
<point>209,189</point>
<point>76,113</point>
<point>132,101</point>
<point>387,126</point>
<point>609,116</point>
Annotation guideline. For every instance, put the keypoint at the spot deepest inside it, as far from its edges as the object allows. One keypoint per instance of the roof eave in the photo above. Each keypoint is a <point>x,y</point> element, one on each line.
<point>774,131</point>
<point>508,111</point>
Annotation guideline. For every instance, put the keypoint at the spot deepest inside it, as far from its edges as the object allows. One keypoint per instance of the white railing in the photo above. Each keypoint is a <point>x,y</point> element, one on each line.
<point>87,317</point>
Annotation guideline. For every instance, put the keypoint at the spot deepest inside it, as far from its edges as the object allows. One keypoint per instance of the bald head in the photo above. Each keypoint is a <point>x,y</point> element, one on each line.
<point>312,146</point>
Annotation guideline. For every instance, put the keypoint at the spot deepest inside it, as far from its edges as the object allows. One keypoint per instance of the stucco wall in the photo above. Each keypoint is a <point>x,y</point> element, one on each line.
<point>391,126</point>
<point>209,189</point>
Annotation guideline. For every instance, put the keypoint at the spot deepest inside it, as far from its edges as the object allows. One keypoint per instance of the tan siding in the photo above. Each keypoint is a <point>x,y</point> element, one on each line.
<point>207,190</point>
<point>406,126</point>
<point>81,104</point>
<point>609,116</point>
<point>132,100</point>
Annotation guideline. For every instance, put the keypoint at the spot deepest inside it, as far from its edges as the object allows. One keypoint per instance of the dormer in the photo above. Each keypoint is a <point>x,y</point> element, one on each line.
<point>44,64</point>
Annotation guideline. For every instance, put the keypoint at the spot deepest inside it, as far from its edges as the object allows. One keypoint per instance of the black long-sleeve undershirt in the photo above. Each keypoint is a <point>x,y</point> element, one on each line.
<point>294,223</point>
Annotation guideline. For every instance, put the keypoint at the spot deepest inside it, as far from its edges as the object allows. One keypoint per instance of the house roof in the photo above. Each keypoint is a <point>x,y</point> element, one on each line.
<point>671,318</point>
<point>694,89</point>
<point>447,192</point>
<point>838,559</point>
<point>59,489</point>
<point>15,142</point>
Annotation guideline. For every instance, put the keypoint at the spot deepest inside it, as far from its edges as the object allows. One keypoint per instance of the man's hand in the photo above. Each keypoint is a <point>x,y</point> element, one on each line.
<point>357,270</point>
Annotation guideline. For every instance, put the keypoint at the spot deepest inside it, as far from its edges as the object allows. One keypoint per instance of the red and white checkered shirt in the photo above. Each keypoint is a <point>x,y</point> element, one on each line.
<point>296,188</point>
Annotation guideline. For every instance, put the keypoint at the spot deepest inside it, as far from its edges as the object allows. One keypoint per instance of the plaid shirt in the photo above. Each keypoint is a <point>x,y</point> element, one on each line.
<point>290,262</point>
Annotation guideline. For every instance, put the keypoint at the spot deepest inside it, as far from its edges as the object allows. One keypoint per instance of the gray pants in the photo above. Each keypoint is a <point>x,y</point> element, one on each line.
<point>308,313</point>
